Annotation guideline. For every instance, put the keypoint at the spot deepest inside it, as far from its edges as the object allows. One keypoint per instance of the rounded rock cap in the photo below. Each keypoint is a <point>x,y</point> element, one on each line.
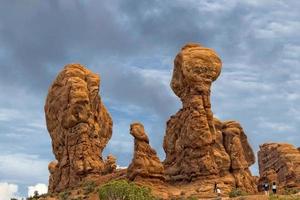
<point>138,132</point>
<point>195,66</point>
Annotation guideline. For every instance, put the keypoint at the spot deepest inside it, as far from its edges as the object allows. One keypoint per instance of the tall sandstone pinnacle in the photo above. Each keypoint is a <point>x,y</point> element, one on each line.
<point>79,126</point>
<point>145,163</point>
<point>280,163</point>
<point>197,145</point>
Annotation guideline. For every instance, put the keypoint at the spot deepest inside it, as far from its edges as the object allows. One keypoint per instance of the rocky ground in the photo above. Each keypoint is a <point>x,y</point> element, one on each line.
<point>159,188</point>
<point>75,195</point>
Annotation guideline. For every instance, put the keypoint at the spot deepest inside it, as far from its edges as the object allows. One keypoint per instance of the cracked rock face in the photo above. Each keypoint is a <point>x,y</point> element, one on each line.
<point>79,126</point>
<point>197,145</point>
<point>280,163</point>
<point>145,163</point>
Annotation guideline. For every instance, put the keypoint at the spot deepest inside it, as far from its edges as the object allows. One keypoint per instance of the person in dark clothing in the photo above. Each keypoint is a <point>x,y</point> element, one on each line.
<point>274,188</point>
<point>215,188</point>
<point>266,188</point>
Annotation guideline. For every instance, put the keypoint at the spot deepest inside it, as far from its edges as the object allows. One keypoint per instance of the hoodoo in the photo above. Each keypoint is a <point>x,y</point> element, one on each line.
<point>201,151</point>
<point>145,163</point>
<point>198,146</point>
<point>79,126</point>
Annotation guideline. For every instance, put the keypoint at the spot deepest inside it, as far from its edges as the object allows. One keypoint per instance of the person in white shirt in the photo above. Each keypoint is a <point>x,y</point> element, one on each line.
<point>219,191</point>
<point>274,188</point>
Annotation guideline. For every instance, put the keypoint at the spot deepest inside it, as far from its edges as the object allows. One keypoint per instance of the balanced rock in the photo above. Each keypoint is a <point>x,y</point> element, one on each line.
<point>145,163</point>
<point>197,145</point>
<point>280,163</point>
<point>79,126</point>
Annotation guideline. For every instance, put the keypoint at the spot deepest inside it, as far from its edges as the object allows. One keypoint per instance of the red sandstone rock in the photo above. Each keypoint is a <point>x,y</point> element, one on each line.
<point>110,165</point>
<point>198,146</point>
<point>280,163</point>
<point>79,126</point>
<point>200,149</point>
<point>145,163</point>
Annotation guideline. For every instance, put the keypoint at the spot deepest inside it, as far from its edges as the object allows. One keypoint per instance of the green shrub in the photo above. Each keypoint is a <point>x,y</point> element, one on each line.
<point>64,195</point>
<point>288,191</point>
<point>192,198</point>
<point>122,190</point>
<point>89,187</point>
<point>31,198</point>
<point>236,192</point>
<point>285,197</point>
<point>34,197</point>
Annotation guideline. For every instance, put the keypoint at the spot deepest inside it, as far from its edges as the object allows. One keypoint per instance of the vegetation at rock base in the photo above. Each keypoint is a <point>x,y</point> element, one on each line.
<point>285,197</point>
<point>89,187</point>
<point>192,198</point>
<point>64,195</point>
<point>236,192</point>
<point>289,191</point>
<point>183,198</point>
<point>36,196</point>
<point>122,190</point>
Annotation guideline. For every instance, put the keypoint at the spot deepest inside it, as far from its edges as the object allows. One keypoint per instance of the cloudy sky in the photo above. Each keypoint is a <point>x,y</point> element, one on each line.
<point>132,44</point>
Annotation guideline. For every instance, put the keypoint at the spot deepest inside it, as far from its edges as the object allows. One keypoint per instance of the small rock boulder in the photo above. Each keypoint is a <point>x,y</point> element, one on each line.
<point>279,163</point>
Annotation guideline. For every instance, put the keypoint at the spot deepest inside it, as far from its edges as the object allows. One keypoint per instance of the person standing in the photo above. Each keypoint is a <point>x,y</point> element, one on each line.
<point>274,188</point>
<point>215,188</point>
<point>266,188</point>
<point>218,191</point>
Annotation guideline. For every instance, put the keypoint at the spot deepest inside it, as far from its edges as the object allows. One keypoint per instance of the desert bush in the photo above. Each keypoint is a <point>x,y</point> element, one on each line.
<point>30,198</point>
<point>192,198</point>
<point>284,197</point>
<point>89,187</point>
<point>289,191</point>
<point>236,192</point>
<point>64,195</point>
<point>34,197</point>
<point>122,190</point>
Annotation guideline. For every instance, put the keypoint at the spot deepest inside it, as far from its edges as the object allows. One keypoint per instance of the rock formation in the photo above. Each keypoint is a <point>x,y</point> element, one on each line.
<point>280,163</point>
<point>110,165</point>
<point>240,153</point>
<point>79,126</point>
<point>198,146</point>
<point>145,163</point>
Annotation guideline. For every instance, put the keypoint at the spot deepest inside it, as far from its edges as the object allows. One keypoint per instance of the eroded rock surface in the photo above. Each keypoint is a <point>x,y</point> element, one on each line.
<point>145,163</point>
<point>79,126</point>
<point>280,163</point>
<point>110,165</point>
<point>198,146</point>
